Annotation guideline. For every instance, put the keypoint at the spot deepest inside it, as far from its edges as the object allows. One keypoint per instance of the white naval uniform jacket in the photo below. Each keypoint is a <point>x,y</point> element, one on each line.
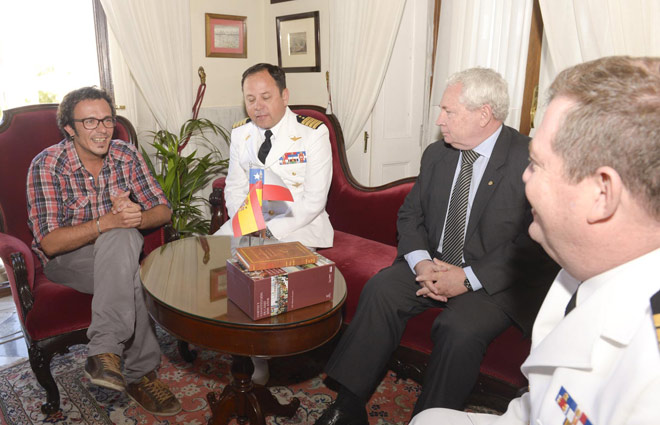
<point>302,157</point>
<point>602,358</point>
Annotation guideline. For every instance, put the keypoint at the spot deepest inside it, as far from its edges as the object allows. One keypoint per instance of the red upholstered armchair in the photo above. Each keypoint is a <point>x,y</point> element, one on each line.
<point>53,317</point>
<point>364,220</point>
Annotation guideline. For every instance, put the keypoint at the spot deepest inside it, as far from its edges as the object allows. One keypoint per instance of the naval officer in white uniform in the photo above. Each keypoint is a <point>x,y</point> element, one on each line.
<point>594,186</point>
<point>294,147</point>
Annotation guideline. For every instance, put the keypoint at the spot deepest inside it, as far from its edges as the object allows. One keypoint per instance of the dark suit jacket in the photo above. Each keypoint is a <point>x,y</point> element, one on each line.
<point>512,268</point>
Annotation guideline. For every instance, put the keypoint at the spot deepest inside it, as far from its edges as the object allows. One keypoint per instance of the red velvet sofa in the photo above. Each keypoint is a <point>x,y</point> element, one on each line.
<point>364,220</point>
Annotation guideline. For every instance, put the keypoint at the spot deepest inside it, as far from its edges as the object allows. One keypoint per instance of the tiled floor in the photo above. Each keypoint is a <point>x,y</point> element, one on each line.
<point>12,344</point>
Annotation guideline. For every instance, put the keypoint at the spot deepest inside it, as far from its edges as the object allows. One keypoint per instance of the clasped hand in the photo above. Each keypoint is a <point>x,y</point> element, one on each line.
<point>439,280</point>
<point>125,213</point>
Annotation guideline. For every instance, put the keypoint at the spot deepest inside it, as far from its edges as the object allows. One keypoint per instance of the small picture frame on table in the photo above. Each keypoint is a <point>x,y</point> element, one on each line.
<point>218,284</point>
<point>226,36</point>
<point>298,46</point>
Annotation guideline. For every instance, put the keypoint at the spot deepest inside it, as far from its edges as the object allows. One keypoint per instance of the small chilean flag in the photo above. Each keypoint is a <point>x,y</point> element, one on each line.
<point>257,182</point>
<point>275,189</point>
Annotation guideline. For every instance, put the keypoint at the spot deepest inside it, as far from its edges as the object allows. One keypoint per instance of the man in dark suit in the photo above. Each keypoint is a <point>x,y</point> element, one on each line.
<point>463,246</point>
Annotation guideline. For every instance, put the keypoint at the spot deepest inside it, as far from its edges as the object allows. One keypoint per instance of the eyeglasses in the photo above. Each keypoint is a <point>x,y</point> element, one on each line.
<point>93,123</point>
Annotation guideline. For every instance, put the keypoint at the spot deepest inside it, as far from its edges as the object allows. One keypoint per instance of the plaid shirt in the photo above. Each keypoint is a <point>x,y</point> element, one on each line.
<point>61,192</point>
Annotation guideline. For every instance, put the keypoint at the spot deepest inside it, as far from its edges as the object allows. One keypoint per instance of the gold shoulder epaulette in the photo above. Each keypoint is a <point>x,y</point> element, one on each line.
<point>309,121</point>
<point>241,122</point>
<point>655,310</point>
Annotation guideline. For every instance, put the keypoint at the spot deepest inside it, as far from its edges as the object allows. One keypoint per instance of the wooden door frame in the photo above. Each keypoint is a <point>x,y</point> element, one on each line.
<point>103,48</point>
<point>530,93</point>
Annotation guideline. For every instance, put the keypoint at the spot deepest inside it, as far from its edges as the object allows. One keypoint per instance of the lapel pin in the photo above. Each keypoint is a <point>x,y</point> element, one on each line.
<point>294,138</point>
<point>490,182</point>
<point>247,137</point>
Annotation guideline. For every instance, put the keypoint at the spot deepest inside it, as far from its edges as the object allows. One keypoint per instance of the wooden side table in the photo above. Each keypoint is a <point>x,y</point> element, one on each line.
<point>181,298</point>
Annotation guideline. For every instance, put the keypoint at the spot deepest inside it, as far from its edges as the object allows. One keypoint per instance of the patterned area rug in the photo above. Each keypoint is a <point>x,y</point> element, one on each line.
<point>82,403</point>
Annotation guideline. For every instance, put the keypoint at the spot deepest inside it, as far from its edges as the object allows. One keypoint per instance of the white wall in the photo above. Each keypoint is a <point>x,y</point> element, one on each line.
<point>304,87</point>
<point>223,75</point>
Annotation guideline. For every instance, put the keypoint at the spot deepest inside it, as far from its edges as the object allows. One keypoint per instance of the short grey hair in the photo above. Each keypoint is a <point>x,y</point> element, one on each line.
<point>614,122</point>
<point>483,86</point>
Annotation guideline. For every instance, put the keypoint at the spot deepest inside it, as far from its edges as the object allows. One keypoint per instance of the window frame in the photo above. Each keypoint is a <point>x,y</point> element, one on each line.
<point>530,92</point>
<point>103,48</point>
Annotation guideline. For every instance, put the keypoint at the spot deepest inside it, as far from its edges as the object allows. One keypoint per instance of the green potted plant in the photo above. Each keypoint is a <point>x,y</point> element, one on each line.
<point>183,176</point>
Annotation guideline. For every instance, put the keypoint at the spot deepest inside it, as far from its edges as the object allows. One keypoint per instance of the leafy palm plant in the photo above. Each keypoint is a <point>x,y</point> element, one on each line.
<point>183,176</point>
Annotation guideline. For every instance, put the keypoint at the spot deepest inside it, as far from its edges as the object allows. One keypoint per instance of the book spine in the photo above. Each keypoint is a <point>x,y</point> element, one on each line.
<point>276,264</point>
<point>252,295</point>
<point>240,289</point>
<point>243,261</point>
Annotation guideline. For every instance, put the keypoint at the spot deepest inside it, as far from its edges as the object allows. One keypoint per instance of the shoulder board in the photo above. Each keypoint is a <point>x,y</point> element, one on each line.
<point>241,122</point>
<point>309,121</point>
<point>655,310</point>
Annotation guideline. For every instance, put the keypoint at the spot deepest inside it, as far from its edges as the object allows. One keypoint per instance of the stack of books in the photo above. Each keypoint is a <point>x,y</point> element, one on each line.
<point>268,280</point>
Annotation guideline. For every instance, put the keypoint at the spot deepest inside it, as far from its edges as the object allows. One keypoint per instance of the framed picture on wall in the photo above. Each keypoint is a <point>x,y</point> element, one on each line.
<point>278,1</point>
<point>298,47</point>
<point>226,36</point>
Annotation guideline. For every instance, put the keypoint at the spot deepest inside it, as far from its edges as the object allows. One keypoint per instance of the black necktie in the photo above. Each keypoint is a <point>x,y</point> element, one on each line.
<point>571,303</point>
<point>454,238</point>
<point>265,147</point>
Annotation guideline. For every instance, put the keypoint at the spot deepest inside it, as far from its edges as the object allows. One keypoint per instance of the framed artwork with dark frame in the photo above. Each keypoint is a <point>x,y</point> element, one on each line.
<point>298,46</point>
<point>278,1</point>
<point>226,36</point>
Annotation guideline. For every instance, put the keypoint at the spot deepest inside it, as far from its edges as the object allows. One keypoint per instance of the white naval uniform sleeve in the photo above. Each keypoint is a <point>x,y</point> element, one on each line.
<point>516,414</point>
<point>441,416</point>
<point>309,204</point>
<point>236,183</point>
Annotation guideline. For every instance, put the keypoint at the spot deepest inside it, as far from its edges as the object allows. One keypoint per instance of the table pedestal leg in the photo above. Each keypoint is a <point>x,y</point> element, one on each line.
<point>245,400</point>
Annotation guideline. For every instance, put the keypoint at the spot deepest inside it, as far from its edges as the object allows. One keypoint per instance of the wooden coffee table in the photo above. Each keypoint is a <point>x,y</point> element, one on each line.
<point>182,297</point>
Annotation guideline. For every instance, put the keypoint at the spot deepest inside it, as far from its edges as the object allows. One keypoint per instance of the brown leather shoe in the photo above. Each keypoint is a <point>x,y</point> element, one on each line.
<point>104,370</point>
<point>154,396</point>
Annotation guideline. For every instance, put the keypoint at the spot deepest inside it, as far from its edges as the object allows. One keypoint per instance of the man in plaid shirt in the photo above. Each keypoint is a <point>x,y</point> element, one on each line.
<point>87,197</point>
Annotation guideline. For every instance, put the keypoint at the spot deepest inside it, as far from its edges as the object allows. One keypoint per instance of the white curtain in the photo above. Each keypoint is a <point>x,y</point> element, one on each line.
<point>487,33</point>
<point>362,35</point>
<point>155,40</point>
<point>124,85</point>
<point>579,31</point>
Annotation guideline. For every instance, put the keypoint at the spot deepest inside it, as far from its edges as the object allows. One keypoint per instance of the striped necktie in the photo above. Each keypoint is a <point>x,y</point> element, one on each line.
<point>454,238</point>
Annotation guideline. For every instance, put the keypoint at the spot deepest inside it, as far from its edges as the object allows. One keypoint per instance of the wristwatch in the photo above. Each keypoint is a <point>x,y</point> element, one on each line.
<point>269,235</point>
<point>466,282</point>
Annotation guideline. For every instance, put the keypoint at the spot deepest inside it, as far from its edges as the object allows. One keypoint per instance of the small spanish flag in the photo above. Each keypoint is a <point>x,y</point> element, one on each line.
<point>249,218</point>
